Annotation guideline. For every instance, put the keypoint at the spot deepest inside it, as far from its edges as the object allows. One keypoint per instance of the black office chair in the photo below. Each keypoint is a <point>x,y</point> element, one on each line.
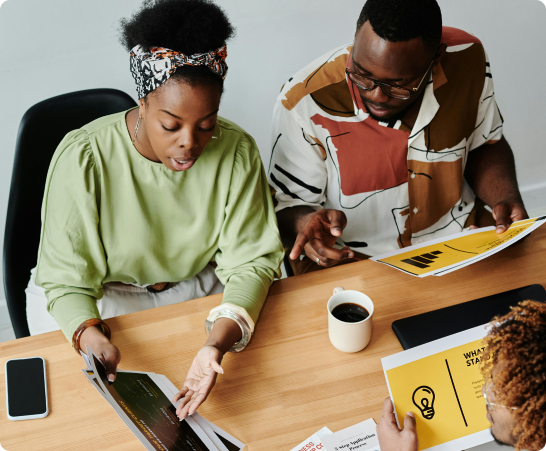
<point>41,130</point>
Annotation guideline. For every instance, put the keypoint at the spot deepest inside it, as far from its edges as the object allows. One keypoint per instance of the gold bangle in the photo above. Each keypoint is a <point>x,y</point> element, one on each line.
<point>88,323</point>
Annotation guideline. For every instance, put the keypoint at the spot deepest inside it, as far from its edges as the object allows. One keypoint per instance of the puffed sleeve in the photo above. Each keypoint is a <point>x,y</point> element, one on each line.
<point>250,250</point>
<point>71,262</point>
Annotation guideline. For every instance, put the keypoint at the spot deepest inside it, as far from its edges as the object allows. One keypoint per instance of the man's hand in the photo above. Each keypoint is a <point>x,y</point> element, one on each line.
<point>505,213</point>
<point>391,438</point>
<point>200,380</point>
<point>107,353</point>
<point>318,232</point>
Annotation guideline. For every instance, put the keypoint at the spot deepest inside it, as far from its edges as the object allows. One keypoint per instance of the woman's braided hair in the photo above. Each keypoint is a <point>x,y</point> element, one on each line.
<point>518,342</point>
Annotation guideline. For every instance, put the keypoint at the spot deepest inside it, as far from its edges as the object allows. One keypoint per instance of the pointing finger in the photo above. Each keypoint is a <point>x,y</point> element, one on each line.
<point>338,222</point>
<point>301,240</point>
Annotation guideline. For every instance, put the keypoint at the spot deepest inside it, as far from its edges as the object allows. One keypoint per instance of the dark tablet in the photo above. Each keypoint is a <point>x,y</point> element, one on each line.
<point>420,329</point>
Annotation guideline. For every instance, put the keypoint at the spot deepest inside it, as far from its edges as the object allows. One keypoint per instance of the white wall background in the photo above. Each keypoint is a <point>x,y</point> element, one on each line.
<point>51,47</point>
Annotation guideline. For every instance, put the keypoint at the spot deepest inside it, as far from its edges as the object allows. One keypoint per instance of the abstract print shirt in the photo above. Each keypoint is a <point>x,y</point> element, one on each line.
<point>397,186</point>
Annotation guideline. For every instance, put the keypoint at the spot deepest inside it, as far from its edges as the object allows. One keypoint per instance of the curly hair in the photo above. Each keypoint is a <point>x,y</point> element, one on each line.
<point>518,342</point>
<point>402,20</point>
<point>186,26</point>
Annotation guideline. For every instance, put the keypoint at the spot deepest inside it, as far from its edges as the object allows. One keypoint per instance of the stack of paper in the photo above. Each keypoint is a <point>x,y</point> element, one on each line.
<point>444,255</point>
<point>143,402</point>
<point>361,437</point>
<point>314,442</point>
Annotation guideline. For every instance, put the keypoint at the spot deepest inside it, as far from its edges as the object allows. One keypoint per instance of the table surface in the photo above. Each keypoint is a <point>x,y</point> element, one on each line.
<point>287,384</point>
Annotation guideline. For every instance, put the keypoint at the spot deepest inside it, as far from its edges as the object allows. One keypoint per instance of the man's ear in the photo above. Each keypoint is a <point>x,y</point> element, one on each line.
<point>440,53</point>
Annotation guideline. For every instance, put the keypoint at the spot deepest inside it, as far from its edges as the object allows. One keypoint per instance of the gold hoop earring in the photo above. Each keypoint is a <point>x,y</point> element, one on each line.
<point>220,135</point>
<point>136,128</point>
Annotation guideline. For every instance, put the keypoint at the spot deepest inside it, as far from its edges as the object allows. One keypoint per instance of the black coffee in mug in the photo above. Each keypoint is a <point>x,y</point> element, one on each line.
<point>350,313</point>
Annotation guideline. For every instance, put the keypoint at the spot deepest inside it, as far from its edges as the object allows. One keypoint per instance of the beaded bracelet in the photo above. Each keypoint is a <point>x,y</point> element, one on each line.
<point>88,323</point>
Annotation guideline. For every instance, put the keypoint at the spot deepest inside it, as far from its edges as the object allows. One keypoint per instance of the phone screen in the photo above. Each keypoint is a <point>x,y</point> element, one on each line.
<point>25,386</point>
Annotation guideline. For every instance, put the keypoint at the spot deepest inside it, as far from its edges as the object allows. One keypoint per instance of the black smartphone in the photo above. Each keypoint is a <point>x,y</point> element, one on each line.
<point>26,389</point>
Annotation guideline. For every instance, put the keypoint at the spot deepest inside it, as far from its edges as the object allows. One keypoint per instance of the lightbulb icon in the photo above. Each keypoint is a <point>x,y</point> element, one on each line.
<point>423,398</point>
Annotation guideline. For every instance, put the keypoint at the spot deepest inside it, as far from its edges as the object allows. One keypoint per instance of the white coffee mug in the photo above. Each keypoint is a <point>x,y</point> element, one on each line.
<point>349,337</point>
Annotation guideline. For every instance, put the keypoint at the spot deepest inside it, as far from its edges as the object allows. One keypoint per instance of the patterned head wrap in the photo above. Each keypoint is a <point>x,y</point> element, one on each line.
<point>151,68</point>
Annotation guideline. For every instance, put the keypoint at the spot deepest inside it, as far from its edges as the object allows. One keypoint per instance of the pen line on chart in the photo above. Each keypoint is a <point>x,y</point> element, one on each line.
<point>456,395</point>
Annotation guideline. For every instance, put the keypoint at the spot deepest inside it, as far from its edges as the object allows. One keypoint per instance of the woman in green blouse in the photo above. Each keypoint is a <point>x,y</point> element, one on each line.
<point>142,201</point>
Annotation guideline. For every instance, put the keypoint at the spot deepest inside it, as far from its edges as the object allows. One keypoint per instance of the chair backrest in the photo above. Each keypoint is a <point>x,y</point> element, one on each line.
<point>41,130</point>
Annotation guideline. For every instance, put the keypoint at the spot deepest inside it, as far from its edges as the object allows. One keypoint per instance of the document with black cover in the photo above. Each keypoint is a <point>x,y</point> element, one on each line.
<point>142,400</point>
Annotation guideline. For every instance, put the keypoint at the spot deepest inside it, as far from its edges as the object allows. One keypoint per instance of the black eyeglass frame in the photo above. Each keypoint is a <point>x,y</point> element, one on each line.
<point>377,83</point>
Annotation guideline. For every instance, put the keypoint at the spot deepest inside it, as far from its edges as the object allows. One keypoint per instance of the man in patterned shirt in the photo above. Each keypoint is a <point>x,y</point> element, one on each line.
<point>390,141</point>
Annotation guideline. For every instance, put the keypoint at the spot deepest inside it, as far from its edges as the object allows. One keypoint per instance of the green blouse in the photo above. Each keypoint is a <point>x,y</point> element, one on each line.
<point>109,214</point>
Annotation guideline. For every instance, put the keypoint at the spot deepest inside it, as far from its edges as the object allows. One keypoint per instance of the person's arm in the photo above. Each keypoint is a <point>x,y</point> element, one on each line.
<point>297,172</point>
<point>206,366</point>
<point>491,173</point>
<point>71,261</point>
<point>490,169</point>
<point>249,256</point>
<point>390,436</point>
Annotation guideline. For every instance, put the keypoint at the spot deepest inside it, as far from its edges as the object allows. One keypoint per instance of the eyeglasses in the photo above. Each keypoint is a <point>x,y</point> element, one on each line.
<point>491,405</point>
<point>396,92</point>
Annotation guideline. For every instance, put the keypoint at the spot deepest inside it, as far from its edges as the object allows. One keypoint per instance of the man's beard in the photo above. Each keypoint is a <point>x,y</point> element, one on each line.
<point>387,120</point>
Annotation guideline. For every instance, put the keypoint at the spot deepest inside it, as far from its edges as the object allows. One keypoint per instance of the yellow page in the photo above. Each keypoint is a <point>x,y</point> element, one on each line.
<point>444,391</point>
<point>441,255</point>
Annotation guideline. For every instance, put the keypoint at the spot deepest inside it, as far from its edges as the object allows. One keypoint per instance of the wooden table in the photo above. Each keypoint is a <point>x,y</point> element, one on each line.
<point>287,384</point>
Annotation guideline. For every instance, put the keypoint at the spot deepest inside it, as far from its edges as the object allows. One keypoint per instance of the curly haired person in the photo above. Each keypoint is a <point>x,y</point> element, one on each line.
<point>514,371</point>
<point>160,204</point>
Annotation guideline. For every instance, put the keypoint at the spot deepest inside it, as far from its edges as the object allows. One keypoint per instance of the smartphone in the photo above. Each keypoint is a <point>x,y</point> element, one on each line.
<point>26,389</point>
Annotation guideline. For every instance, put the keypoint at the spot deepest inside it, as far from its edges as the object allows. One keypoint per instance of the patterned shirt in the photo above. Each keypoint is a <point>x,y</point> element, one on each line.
<point>397,186</point>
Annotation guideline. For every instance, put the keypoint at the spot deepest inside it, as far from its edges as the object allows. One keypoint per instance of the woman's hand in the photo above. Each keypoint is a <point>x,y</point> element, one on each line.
<point>107,353</point>
<point>206,366</point>
<point>200,380</point>
<point>391,438</point>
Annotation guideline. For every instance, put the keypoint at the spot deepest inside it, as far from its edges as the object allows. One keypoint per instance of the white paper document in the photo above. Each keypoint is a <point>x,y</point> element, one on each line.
<point>313,443</point>
<point>360,437</point>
